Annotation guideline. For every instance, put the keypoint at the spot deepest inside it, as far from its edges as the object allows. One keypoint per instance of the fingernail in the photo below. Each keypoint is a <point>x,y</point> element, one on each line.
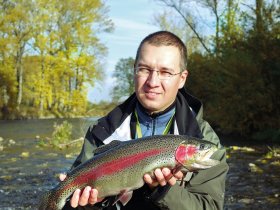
<point>165,171</point>
<point>157,171</point>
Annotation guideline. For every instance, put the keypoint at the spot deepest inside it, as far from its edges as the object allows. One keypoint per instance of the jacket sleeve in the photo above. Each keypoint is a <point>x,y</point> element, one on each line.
<point>207,131</point>
<point>205,190</point>
<point>87,152</point>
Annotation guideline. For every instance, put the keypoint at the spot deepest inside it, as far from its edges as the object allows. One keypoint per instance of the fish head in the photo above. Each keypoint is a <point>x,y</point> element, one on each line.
<point>196,155</point>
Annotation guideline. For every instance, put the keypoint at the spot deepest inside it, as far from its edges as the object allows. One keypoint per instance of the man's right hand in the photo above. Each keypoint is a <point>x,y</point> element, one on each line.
<point>83,198</point>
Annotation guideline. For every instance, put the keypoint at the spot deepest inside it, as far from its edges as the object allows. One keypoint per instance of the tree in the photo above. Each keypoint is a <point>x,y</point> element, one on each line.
<point>124,73</point>
<point>180,7</point>
<point>169,21</point>
<point>241,81</point>
<point>17,27</point>
<point>54,49</point>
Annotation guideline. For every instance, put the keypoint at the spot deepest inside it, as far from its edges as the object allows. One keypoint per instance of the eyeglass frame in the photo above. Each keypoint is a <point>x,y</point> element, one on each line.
<point>158,72</point>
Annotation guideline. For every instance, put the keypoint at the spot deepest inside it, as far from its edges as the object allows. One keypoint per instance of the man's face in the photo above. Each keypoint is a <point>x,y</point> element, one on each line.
<point>154,94</point>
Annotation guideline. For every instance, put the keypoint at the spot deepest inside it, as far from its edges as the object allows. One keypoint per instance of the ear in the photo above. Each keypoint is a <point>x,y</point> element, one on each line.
<point>183,78</point>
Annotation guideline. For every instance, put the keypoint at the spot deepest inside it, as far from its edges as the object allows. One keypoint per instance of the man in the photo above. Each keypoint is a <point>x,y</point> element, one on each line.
<point>159,106</point>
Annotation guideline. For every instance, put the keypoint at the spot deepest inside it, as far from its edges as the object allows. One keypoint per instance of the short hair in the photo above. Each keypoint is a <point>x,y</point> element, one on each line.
<point>165,38</point>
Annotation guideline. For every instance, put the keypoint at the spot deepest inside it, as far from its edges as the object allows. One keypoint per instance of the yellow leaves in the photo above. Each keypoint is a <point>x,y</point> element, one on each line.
<point>41,42</point>
<point>246,149</point>
<point>254,168</point>
<point>78,102</point>
<point>6,177</point>
<point>59,55</point>
<point>25,154</point>
<point>276,163</point>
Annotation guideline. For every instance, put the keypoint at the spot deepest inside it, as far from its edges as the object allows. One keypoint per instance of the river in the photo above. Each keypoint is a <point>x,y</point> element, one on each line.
<point>27,170</point>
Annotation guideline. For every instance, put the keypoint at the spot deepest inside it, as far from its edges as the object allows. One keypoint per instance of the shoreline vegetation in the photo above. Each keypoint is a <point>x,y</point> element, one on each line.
<point>26,113</point>
<point>270,136</point>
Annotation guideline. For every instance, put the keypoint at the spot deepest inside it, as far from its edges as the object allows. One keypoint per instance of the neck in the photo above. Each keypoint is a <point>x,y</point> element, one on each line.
<point>155,113</point>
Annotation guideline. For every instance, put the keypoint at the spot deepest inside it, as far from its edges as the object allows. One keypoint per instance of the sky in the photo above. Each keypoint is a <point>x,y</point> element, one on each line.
<point>133,21</point>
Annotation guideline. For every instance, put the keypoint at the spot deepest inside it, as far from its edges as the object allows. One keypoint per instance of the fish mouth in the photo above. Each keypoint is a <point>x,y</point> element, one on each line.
<point>206,161</point>
<point>208,153</point>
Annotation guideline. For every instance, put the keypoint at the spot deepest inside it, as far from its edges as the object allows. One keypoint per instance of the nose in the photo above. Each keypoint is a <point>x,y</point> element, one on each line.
<point>153,79</point>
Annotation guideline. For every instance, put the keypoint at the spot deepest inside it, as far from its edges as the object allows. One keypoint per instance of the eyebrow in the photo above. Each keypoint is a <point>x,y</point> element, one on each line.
<point>162,68</point>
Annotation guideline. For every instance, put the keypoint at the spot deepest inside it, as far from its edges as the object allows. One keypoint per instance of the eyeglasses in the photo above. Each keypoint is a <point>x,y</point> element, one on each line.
<point>146,72</point>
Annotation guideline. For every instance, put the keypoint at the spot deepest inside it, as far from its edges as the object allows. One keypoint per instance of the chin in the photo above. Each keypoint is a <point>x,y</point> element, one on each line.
<point>150,106</point>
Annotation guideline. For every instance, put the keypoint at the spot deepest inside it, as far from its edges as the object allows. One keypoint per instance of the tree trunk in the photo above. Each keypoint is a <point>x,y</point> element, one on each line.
<point>42,84</point>
<point>19,74</point>
<point>259,17</point>
<point>217,37</point>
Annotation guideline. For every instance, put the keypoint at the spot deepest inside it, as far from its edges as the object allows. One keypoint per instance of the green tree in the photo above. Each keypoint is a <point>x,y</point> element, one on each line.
<point>240,82</point>
<point>169,21</point>
<point>124,73</point>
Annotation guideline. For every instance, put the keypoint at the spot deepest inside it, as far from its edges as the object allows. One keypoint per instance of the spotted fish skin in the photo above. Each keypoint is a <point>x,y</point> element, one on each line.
<point>122,167</point>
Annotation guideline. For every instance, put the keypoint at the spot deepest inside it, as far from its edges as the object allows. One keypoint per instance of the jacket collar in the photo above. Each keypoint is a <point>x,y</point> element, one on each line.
<point>185,118</point>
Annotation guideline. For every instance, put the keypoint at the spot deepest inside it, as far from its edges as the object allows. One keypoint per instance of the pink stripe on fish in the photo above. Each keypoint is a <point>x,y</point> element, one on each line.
<point>115,166</point>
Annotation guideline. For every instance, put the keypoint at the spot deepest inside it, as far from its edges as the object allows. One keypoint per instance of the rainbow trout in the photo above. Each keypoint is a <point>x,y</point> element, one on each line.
<point>119,167</point>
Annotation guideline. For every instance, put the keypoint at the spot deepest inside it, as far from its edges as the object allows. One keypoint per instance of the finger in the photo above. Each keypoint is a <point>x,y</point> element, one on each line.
<point>62,177</point>
<point>160,177</point>
<point>93,196</point>
<point>167,173</point>
<point>75,198</point>
<point>179,175</point>
<point>169,176</point>
<point>85,196</point>
<point>148,179</point>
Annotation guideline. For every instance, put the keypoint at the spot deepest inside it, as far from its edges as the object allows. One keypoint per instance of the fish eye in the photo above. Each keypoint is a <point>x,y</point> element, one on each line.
<point>202,147</point>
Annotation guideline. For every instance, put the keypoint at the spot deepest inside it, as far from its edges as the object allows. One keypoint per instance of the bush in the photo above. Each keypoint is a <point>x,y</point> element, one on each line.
<point>61,135</point>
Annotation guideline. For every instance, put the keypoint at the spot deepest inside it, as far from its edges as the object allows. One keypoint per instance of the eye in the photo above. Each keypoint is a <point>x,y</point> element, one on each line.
<point>165,73</point>
<point>202,147</point>
<point>143,70</point>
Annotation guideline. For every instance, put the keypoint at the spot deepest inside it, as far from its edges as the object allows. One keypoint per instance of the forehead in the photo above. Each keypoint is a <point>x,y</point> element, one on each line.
<point>159,56</point>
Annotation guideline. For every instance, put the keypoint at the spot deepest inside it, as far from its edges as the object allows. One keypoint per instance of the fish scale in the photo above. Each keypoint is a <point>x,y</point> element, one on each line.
<point>121,167</point>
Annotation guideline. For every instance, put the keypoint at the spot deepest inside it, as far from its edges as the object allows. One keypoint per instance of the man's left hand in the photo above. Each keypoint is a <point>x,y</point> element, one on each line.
<point>162,177</point>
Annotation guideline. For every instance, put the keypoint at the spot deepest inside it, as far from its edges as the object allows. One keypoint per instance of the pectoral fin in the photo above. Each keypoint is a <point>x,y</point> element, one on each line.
<point>124,197</point>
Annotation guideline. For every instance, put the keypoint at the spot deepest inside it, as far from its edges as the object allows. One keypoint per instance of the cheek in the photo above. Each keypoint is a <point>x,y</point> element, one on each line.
<point>138,83</point>
<point>170,88</point>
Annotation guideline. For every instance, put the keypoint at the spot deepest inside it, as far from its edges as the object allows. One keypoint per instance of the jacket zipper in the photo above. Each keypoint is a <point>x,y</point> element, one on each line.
<point>154,126</point>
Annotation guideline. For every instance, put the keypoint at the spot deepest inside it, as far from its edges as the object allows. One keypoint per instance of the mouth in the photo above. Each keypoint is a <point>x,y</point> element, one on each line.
<point>208,154</point>
<point>206,161</point>
<point>151,94</point>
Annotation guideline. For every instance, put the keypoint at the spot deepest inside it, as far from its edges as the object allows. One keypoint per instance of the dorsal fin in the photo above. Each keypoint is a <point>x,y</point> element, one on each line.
<point>107,147</point>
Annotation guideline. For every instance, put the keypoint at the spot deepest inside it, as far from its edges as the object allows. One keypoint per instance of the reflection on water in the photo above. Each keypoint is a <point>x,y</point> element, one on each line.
<point>26,170</point>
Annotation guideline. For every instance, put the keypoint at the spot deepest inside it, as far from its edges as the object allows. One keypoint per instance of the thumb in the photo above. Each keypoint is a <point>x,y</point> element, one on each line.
<point>62,177</point>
